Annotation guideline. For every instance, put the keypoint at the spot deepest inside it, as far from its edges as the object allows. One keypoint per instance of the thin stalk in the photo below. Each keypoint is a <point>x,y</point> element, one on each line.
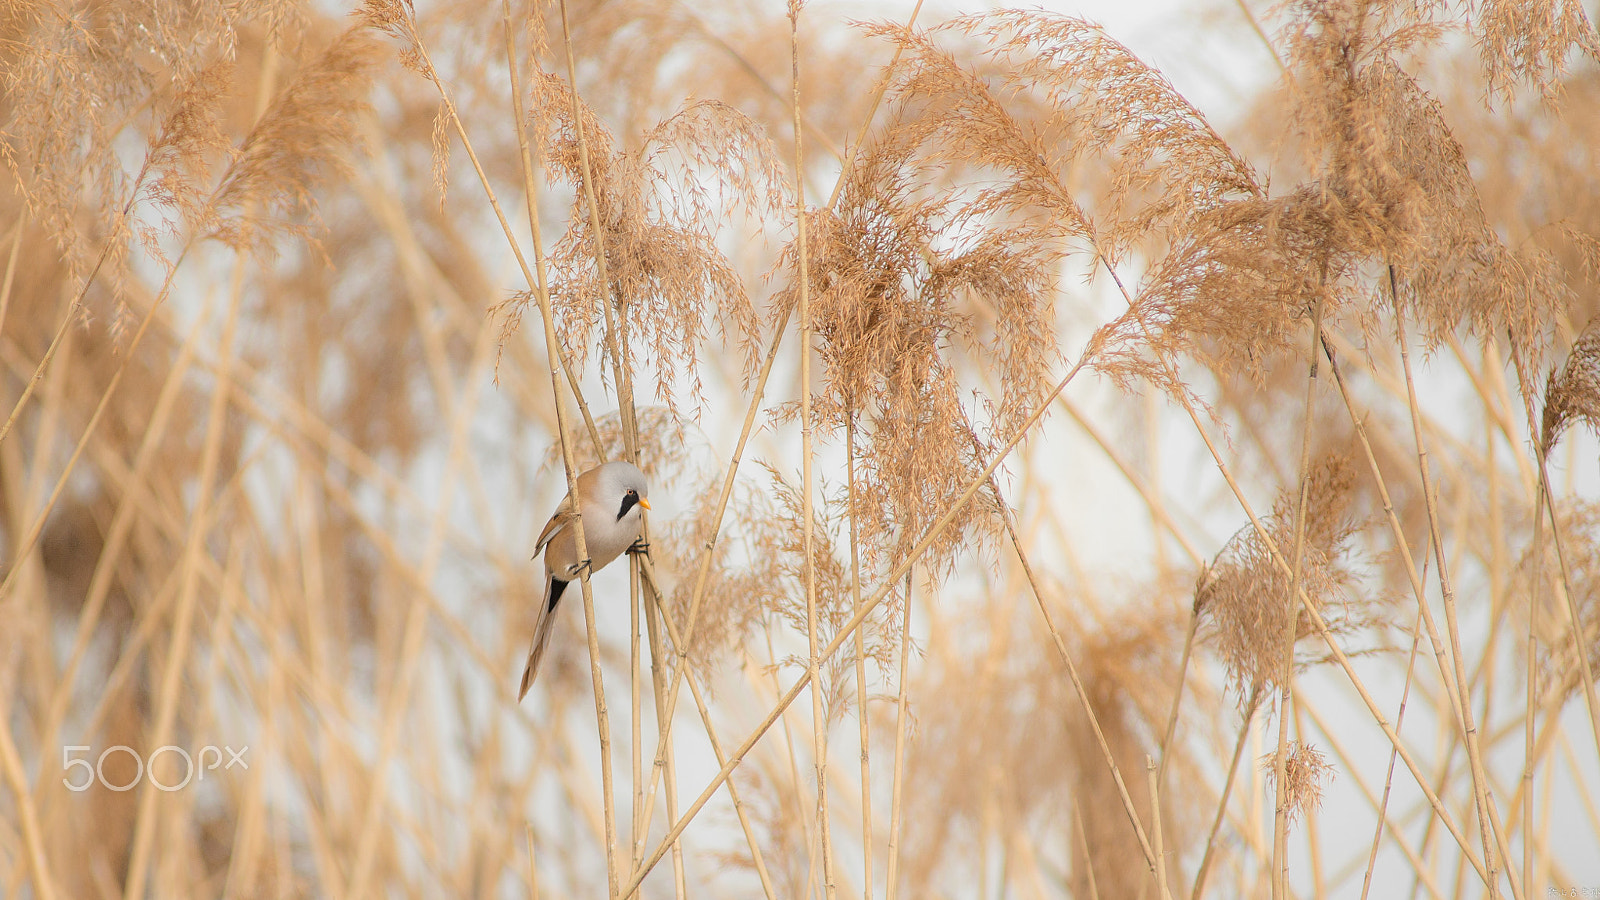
<point>668,715</point>
<point>1150,856</point>
<point>553,353</point>
<point>1155,825</point>
<point>635,719</point>
<point>659,609</point>
<point>732,469</point>
<point>1280,830</point>
<point>533,869</point>
<point>1446,674</point>
<point>71,315</point>
<point>534,275</point>
<point>819,716</point>
<point>1318,887</point>
<point>614,341</point>
<point>1305,601</point>
<point>1321,625</point>
<point>116,538</point>
<point>397,703</point>
<point>1546,501</point>
<point>1388,778</point>
<point>1222,801</point>
<point>901,723</point>
<point>145,823</point>
<point>861,661</point>
<point>1481,798</point>
<point>17,228</point>
<point>25,546</point>
<point>1578,637</point>
<point>1151,499</point>
<point>658,685</point>
<point>1348,764</point>
<point>28,815</point>
<point>1177,694</point>
<point>845,632</point>
<point>1530,718</point>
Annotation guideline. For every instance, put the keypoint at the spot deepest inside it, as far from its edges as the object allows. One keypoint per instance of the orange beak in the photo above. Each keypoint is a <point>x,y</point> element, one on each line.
<point>644,503</point>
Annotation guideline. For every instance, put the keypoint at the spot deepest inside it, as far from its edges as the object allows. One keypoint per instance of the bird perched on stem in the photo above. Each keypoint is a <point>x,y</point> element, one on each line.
<point>611,498</point>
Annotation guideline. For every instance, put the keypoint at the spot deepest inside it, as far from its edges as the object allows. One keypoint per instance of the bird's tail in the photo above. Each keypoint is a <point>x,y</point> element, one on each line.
<point>541,634</point>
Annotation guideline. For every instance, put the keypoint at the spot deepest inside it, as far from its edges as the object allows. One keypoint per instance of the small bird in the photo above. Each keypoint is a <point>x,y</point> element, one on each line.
<point>611,497</point>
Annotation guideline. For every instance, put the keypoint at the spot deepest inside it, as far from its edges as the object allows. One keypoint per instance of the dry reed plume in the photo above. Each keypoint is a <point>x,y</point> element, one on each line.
<point>306,318</point>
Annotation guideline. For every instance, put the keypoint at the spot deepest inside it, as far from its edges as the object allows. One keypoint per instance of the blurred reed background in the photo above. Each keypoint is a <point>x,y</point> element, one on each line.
<point>1185,502</point>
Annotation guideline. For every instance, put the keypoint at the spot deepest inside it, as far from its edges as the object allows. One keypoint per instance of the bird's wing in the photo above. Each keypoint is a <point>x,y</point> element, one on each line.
<point>558,523</point>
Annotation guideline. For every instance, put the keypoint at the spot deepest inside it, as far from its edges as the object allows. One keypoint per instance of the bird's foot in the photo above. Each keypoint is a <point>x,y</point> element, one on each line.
<point>639,546</point>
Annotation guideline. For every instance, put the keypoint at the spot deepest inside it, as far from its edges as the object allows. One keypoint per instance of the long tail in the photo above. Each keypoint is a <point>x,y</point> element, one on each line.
<point>541,634</point>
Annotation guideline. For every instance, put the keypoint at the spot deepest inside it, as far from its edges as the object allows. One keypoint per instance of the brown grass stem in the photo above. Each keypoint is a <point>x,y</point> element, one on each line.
<point>1446,673</point>
<point>1469,727</point>
<point>820,717</point>
<point>116,537</point>
<point>535,279</point>
<point>731,470</point>
<point>749,68</point>
<point>18,228</point>
<point>1158,509</point>
<point>1281,812</point>
<point>1591,702</point>
<point>177,649</point>
<point>31,538</point>
<point>1305,600</point>
<point>1222,800</point>
<point>1155,826</point>
<point>615,340</point>
<point>902,722</point>
<point>845,632</point>
<point>1388,778</point>
<point>674,634</point>
<point>397,703</point>
<point>864,734</point>
<point>1150,856</point>
<point>1348,764</point>
<point>27,815</point>
<point>1322,629</point>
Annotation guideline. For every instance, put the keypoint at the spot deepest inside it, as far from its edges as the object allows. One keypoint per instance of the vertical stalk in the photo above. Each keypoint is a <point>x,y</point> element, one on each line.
<point>657,612</point>
<point>1388,778</point>
<point>732,469</point>
<point>1177,693</point>
<point>1280,831</point>
<point>1578,637</point>
<point>845,631</point>
<point>1480,789</point>
<point>819,715</point>
<point>207,498</point>
<point>1155,826</point>
<point>556,361</point>
<point>1222,801</point>
<point>861,662</point>
<point>901,722</point>
<point>636,841</point>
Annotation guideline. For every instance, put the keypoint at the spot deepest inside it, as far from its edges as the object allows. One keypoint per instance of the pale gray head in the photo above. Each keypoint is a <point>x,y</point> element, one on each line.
<point>622,484</point>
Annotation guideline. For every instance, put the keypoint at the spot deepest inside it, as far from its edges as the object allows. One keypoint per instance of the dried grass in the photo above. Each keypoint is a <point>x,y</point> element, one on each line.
<point>255,488</point>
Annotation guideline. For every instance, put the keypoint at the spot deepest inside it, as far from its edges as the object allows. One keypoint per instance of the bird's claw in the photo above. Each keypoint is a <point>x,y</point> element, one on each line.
<point>639,546</point>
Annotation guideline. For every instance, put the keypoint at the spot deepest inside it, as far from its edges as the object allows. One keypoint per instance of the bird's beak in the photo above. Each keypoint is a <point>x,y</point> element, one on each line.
<point>644,503</point>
